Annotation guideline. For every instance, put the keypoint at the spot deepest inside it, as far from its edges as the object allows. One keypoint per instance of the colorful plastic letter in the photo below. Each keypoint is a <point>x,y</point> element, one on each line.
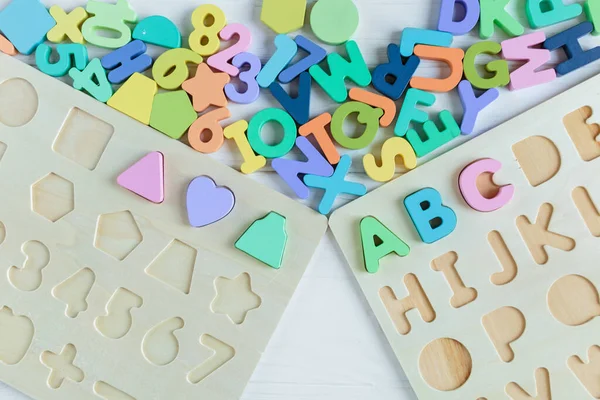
<point>467,182</point>
<point>521,49</point>
<point>220,61</point>
<point>260,120</point>
<point>552,12</point>
<point>473,105</point>
<point>316,54</point>
<point>237,132</point>
<point>285,51</point>
<point>247,77</point>
<point>67,25</point>
<point>68,54</point>
<point>498,68</point>
<point>592,11</point>
<point>409,111</point>
<point>93,80</point>
<point>126,61</point>
<point>434,137</point>
<point>207,88</point>
<point>493,12</point>
<point>316,127</point>
<point>335,185</point>
<point>298,107</point>
<point>386,104</point>
<point>414,36</point>
<point>204,40</point>
<point>108,17</point>
<point>159,31</point>
<point>170,70</point>
<point>568,40</point>
<point>289,170</point>
<point>172,113</point>
<point>451,56</point>
<point>341,69</point>
<point>392,148</point>
<point>135,98</point>
<point>367,116</point>
<point>446,22</point>
<point>397,70</point>
<point>432,219</point>
<point>25,24</point>
<point>208,122</point>
<point>389,243</point>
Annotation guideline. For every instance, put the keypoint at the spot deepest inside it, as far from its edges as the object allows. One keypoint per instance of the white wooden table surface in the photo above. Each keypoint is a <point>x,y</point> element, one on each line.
<point>329,345</point>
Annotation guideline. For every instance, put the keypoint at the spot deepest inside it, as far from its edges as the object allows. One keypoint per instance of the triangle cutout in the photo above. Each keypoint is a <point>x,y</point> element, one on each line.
<point>146,177</point>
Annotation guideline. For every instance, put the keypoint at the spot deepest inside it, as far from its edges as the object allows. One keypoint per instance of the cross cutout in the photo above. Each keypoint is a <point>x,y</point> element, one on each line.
<point>61,366</point>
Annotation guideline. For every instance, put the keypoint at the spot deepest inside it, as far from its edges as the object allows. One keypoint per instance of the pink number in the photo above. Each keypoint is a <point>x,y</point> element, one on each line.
<point>221,60</point>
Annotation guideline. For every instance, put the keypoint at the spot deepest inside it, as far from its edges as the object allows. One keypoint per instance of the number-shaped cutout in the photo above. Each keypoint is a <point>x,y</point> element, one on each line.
<point>220,60</point>
<point>208,20</point>
<point>247,77</point>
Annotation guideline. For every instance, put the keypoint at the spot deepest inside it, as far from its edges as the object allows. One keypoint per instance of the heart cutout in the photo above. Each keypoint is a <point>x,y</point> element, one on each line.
<point>208,203</point>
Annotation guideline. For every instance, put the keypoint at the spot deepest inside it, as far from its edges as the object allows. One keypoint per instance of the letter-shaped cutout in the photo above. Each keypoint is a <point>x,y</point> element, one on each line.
<point>467,183</point>
<point>521,49</point>
<point>373,251</point>
<point>160,346</point>
<point>446,22</point>
<point>223,353</point>
<point>392,148</point>
<point>504,326</point>
<point>588,373</point>
<point>451,56</point>
<point>537,235</point>
<point>583,134</point>
<point>29,277</point>
<point>367,115</point>
<point>118,320</point>
<point>539,159</point>
<point>397,308</point>
<point>542,384</point>
<point>587,209</point>
<point>506,259</point>
<point>573,300</point>
<point>431,218</point>
<point>461,295</point>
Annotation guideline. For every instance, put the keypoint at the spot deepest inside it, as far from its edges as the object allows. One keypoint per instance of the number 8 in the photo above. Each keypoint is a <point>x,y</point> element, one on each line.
<point>208,20</point>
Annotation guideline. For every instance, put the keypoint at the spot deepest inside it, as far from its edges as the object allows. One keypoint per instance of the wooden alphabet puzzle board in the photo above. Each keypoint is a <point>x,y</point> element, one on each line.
<point>106,295</point>
<point>504,306</point>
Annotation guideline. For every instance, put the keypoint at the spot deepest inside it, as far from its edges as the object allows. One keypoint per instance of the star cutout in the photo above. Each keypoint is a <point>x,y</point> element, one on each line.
<point>207,88</point>
<point>235,298</point>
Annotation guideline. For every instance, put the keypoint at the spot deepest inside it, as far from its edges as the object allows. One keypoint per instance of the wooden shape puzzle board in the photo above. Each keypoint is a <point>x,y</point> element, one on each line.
<point>486,317</point>
<point>106,295</point>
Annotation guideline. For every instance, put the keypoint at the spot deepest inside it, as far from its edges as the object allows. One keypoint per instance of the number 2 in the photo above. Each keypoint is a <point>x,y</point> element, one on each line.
<point>220,60</point>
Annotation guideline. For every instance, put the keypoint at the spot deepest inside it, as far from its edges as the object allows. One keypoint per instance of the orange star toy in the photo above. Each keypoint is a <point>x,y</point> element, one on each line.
<point>207,88</point>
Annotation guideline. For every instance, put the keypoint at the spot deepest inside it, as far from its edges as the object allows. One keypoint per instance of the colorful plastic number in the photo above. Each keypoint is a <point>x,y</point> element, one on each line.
<point>400,72</point>
<point>289,170</point>
<point>521,49</point>
<point>316,54</point>
<point>247,77</point>
<point>108,17</point>
<point>433,220</point>
<point>446,22</point>
<point>409,111</point>
<point>498,68</point>
<point>493,12</point>
<point>298,107</point>
<point>335,185</point>
<point>569,41</point>
<point>391,149</point>
<point>135,98</point>
<point>92,80</point>
<point>473,105</point>
<point>367,115</point>
<point>126,61</point>
<point>204,40</point>
<point>256,125</point>
<point>221,60</point>
<point>25,24</point>
<point>453,57</point>
<point>334,84</point>
<point>237,133</point>
<point>413,36</point>
<point>434,137</point>
<point>206,88</point>
<point>208,122</point>
<point>67,25</point>
<point>68,54</point>
<point>316,128</point>
<point>159,31</point>
<point>170,70</point>
<point>285,51</point>
<point>553,12</point>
